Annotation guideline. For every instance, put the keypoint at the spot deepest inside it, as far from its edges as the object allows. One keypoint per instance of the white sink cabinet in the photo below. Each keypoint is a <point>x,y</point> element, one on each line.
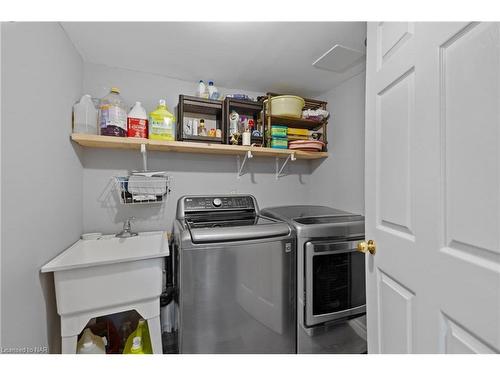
<point>109,275</point>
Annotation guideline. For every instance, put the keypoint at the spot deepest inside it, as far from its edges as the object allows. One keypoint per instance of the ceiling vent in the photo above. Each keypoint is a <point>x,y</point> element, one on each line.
<point>339,58</point>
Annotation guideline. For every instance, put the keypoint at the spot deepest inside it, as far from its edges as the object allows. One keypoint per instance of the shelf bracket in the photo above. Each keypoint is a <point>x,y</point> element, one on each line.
<point>144,157</point>
<point>241,164</point>
<point>279,170</point>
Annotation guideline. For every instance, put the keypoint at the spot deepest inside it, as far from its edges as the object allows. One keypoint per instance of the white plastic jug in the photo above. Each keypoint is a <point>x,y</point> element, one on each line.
<point>85,116</point>
<point>91,344</point>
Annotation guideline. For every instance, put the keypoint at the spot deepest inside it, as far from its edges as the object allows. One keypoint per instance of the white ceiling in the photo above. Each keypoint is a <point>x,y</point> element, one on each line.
<point>274,56</point>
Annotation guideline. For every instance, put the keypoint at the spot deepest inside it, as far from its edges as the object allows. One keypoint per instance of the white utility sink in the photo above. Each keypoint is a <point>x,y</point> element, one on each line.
<point>108,275</point>
<point>110,249</point>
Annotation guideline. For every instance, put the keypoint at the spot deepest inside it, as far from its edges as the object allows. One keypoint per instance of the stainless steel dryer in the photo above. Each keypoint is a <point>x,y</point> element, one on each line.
<point>331,278</point>
<point>236,277</point>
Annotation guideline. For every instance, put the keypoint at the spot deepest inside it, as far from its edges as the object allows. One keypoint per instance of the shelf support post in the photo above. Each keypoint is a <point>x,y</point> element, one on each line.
<point>241,165</point>
<point>279,169</point>
<point>144,157</point>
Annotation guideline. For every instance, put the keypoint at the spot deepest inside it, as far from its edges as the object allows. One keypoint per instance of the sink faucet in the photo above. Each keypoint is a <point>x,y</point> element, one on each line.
<point>127,229</point>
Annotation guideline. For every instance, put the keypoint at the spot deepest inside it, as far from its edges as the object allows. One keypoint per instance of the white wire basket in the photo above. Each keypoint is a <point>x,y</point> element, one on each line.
<point>143,188</point>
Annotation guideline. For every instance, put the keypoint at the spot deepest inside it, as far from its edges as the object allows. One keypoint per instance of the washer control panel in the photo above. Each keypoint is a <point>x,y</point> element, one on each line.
<point>218,203</point>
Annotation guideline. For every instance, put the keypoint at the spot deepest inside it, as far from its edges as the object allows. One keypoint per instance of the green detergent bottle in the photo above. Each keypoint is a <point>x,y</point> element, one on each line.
<point>162,123</point>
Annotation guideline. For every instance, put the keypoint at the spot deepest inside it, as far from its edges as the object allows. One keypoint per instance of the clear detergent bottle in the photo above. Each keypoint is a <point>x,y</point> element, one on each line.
<point>113,115</point>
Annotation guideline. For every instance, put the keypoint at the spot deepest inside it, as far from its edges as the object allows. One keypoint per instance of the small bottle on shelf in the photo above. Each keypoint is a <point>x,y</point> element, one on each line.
<point>246,137</point>
<point>202,130</point>
<point>213,92</point>
<point>188,127</point>
<point>195,127</point>
<point>202,90</point>
<point>234,118</point>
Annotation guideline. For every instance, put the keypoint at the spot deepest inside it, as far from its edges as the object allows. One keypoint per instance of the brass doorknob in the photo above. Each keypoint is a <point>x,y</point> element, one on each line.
<point>367,247</point>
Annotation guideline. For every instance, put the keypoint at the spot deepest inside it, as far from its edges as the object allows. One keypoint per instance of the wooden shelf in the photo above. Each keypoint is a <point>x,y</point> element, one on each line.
<point>100,141</point>
<point>293,122</point>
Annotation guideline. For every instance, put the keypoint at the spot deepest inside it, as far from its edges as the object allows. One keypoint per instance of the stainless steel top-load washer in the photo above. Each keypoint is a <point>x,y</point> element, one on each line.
<point>236,276</point>
<point>331,296</point>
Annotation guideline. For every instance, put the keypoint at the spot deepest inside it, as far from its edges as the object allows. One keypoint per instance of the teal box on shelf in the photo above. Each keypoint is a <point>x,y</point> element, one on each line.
<point>279,131</point>
<point>279,142</point>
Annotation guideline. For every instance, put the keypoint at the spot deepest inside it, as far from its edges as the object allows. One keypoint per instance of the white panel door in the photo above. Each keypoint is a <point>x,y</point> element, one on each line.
<point>432,184</point>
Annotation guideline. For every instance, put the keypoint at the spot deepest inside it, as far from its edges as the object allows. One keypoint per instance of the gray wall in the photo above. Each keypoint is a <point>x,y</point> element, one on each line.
<point>339,180</point>
<point>192,173</point>
<point>41,176</point>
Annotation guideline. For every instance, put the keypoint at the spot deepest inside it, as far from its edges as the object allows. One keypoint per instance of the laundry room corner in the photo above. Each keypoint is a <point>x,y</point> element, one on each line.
<point>339,180</point>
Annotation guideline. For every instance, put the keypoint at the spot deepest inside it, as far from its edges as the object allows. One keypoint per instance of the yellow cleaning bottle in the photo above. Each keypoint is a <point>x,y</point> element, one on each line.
<point>162,123</point>
<point>139,341</point>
